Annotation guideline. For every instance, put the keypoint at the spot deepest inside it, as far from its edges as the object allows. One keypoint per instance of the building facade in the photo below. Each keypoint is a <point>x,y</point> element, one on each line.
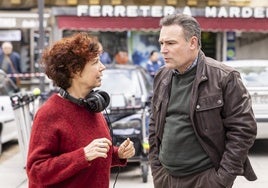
<point>230,28</point>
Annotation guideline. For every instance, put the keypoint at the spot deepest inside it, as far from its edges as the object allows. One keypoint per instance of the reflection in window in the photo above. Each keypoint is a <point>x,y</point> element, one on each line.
<point>121,82</point>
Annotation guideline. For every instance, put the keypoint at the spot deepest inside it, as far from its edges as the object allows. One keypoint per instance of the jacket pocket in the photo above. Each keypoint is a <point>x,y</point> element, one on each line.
<point>209,102</point>
<point>208,113</point>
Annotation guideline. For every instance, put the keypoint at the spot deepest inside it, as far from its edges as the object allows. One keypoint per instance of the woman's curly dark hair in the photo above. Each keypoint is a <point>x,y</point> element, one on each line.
<point>68,56</point>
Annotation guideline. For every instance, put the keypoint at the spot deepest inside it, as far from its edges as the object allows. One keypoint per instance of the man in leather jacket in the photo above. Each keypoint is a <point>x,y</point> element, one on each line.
<point>202,124</point>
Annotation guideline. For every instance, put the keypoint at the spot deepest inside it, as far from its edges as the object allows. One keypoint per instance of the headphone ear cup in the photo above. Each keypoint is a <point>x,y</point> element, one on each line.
<point>106,98</point>
<point>97,101</point>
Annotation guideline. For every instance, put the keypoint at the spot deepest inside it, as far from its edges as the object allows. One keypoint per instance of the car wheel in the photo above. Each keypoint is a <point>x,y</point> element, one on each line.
<point>144,169</point>
<point>1,145</point>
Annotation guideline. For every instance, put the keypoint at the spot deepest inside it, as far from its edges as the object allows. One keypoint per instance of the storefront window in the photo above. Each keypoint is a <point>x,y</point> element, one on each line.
<point>208,40</point>
<point>112,42</point>
<point>142,45</point>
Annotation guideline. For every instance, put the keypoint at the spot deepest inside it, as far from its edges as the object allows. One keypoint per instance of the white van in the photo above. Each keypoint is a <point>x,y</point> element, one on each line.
<point>254,74</point>
<point>8,129</point>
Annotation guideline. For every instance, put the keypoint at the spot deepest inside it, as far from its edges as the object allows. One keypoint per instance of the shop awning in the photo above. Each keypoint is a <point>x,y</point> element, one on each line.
<point>152,23</point>
<point>229,24</point>
<point>108,23</point>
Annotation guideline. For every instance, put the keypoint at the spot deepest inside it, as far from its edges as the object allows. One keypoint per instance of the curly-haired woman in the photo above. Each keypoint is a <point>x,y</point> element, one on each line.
<point>70,143</point>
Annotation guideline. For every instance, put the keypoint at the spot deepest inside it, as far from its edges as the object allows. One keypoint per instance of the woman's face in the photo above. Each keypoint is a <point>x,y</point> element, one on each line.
<point>90,77</point>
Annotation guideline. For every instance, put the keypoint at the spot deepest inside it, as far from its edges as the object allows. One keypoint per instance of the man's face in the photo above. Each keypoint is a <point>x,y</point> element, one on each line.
<point>177,52</point>
<point>7,48</point>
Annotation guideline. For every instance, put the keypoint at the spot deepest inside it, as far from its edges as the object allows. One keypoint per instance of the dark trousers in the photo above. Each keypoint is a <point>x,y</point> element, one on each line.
<point>205,179</point>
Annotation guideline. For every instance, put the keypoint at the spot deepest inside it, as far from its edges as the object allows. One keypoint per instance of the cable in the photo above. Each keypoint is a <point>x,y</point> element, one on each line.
<point>109,124</point>
<point>112,135</point>
<point>117,174</point>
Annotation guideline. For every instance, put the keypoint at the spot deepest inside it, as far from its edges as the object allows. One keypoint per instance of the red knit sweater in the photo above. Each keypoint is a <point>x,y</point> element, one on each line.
<point>60,131</point>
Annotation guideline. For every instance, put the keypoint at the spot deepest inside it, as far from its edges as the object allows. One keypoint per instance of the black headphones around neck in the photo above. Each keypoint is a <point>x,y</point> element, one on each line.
<point>95,101</point>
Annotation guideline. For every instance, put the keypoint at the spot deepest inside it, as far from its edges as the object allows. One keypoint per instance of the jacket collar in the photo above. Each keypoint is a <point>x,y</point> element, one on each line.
<point>201,73</point>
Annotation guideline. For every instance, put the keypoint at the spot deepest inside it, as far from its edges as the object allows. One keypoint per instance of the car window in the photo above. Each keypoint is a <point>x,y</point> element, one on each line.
<point>121,82</point>
<point>148,80</point>
<point>7,87</point>
<point>254,76</point>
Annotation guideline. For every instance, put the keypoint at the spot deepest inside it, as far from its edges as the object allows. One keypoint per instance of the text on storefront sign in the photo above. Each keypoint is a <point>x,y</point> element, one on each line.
<point>160,11</point>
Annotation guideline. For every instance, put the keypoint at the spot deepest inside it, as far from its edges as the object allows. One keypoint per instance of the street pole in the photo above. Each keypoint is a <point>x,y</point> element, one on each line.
<point>41,41</point>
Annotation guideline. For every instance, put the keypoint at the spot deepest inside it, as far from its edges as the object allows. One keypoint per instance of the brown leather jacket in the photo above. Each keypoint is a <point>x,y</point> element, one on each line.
<point>221,115</point>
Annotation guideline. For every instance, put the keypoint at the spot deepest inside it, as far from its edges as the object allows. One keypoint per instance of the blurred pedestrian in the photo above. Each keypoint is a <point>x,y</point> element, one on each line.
<point>70,144</point>
<point>105,57</point>
<point>202,123</point>
<point>154,63</point>
<point>121,57</point>
<point>10,62</point>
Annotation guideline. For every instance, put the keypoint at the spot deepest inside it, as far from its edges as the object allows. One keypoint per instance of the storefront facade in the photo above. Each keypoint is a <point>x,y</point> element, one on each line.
<point>135,29</point>
<point>230,29</point>
<point>21,28</point>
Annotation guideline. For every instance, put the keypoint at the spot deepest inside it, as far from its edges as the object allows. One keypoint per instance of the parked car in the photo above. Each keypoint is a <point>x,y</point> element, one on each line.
<point>254,74</point>
<point>130,90</point>
<point>8,129</point>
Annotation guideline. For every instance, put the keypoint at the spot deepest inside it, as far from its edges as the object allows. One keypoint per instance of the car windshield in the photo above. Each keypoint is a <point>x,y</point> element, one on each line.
<point>254,76</point>
<point>121,82</point>
<point>7,87</point>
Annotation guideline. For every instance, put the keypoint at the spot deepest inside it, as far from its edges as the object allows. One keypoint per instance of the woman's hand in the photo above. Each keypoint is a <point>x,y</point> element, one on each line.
<point>126,149</point>
<point>97,148</point>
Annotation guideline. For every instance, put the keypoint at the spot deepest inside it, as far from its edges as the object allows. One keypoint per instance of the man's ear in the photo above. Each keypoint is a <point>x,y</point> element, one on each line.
<point>194,42</point>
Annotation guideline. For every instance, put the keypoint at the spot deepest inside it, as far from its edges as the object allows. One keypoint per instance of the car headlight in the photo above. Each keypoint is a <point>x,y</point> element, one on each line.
<point>136,124</point>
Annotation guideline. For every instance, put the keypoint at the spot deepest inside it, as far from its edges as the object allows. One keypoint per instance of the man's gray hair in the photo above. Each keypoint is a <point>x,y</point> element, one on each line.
<point>189,24</point>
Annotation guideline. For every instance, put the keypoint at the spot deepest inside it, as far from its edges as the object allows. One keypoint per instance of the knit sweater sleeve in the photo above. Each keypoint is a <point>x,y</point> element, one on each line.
<point>44,165</point>
<point>116,161</point>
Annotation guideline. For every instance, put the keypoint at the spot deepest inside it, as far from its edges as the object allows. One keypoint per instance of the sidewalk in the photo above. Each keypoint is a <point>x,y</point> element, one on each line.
<point>12,173</point>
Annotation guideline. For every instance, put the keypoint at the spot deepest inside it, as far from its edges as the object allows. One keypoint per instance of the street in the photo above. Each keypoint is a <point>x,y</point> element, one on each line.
<point>130,177</point>
<point>258,157</point>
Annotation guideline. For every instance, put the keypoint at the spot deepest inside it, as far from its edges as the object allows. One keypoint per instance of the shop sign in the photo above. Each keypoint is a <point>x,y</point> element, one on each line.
<point>160,11</point>
<point>20,23</point>
<point>10,35</point>
<point>7,22</point>
<point>31,23</point>
<point>124,11</point>
<point>236,12</point>
<point>21,20</point>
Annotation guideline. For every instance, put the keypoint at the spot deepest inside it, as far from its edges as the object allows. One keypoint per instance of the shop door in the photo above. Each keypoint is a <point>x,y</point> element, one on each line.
<point>208,40</point>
